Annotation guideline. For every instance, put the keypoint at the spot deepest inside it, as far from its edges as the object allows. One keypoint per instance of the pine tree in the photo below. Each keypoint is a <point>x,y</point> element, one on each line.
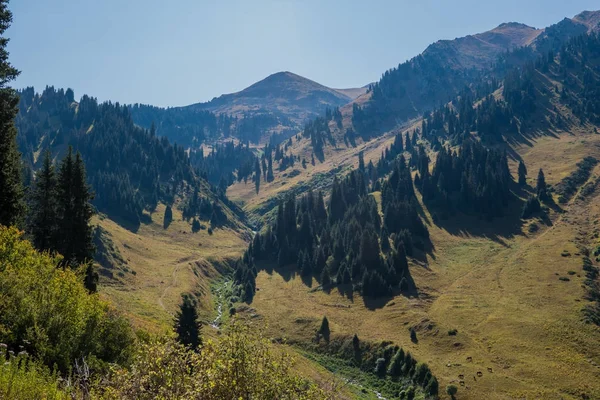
<point>83,246</point>
<point>12,207</point>
<point>187,326</point>
<point>542,188</point>
<point>44,218</point>
<point>361,162</point>
<point>324,329</point>
<point>270,176</point>
<point>168,217</point>
<point>66,209</point>
<point>522,173</point>
<point>257,175</point>
<point>195,225</point>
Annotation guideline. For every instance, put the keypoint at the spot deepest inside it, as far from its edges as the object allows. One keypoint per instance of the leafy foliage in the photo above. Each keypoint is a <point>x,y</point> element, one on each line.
<point>240,365</point>
<point>48,312</point>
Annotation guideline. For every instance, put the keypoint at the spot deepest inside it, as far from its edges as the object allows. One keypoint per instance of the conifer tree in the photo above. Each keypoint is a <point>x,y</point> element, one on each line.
<point>187,326</point>
<point>324,329</point>
<point>522,173</point>
<point>361,162</point>
<point>12,207</point>
<point>83,246</point>
<point>542,188</point>
<point>66,211</point>
<point>257,175</point>
<point>44,218</point>
<point>168,217</point>
<point>270,176</point>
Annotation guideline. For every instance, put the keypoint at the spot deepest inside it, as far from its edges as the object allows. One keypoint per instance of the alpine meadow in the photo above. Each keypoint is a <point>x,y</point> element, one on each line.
<point>432,234</point>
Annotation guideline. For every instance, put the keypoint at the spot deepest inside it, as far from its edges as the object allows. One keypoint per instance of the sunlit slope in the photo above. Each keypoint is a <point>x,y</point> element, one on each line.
<point>165,263</point>
<point>520,328</point>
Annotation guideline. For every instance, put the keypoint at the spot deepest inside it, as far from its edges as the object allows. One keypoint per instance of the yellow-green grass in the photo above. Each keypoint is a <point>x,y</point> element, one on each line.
<point>167,263</point>
<point>494,282</point>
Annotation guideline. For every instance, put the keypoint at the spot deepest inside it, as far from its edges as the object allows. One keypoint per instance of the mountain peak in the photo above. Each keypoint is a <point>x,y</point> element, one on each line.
<point>591,19</point>
<point>513,25</point>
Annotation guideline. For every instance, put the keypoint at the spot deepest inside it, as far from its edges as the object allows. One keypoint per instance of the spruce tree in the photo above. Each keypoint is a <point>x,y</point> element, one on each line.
<point>12,207</point>
<point>44,218</point>
<point>324,329</point>
<point>83,246</point>
<point>257,175</point>
<point>66,211</point>
<point>187,326</point>
<point>542,188</point>
<point>168,217</point>
<point>361,162</point>
<point>270,176</point>
<point>522,173</point>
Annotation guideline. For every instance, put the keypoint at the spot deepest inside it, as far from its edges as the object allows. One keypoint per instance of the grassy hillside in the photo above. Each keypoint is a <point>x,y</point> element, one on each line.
<point>496,283</point>
<point>164,263</point>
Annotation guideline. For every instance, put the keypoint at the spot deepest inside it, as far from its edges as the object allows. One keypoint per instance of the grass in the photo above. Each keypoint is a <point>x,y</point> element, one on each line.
<point>494,283</point>
<point>166,263</point>
<point>518,325</point>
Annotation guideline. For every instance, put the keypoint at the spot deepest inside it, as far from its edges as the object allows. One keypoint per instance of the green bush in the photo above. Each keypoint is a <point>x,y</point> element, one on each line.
<point>48,311</point>
<point>24,379</point>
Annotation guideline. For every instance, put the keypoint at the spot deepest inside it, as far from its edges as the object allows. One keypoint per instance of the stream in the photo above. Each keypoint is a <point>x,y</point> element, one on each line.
<point>220,298</point>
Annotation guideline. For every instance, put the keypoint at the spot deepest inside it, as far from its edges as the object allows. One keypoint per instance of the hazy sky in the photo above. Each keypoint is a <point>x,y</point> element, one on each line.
<point>180,52</point>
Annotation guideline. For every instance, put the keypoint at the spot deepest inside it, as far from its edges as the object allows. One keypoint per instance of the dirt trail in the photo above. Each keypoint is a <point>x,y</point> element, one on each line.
<point>164,293</point>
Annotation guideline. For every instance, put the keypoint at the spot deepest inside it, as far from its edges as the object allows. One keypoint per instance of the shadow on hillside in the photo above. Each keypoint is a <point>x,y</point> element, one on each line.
<point>497,229</point>
<point>133,227</point>
<point>375,303</point>
<point>346,290</point>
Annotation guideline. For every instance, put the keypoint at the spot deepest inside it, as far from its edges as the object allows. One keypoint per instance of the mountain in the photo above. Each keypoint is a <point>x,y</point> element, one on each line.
<point>282,93</point>
<point>480,50</point>
<point>474,278</point>
<point>445,67</point>
<point>279,104</point>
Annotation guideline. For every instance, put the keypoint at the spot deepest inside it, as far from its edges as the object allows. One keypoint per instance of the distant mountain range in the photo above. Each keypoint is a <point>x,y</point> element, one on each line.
<point>448,66</point>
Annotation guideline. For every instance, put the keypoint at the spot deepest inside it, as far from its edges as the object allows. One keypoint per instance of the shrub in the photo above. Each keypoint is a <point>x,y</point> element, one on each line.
<point>24,379</point>
<point>413,335</point>
<point>239,365</point>
<point>452,332</point>
<point>380,367</point>
<point>451,390</point>
<point>48,311</point>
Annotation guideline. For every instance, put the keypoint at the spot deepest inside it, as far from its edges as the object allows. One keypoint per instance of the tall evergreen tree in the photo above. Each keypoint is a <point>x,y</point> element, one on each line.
<point>168,217</point>
<point>66,211</point>
<point>257,175</point>
<point>83,249</point>
<point>187,326</point>
<point>324,329</point>
<point>270,176</point>
<point>542,187</point>
<point>361,162</point>
<point>12,207</point>
<point>75,241</point>
<point>522,173</point>
<point>44,218</point>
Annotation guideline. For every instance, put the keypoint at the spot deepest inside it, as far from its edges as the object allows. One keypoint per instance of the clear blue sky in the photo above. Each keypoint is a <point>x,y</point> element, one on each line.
<point>179,52</point>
